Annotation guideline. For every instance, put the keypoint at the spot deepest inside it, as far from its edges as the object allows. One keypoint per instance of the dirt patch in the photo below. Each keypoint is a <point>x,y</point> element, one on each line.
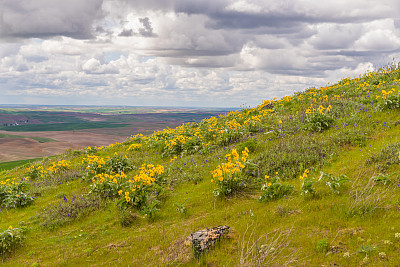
<point>24,148</point>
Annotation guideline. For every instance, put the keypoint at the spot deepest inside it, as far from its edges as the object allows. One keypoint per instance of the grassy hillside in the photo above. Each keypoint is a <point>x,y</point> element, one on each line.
<point>311,179</point>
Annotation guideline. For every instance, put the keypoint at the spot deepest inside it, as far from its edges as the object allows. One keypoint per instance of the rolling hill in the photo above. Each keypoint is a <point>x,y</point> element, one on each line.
<point>311,179</point>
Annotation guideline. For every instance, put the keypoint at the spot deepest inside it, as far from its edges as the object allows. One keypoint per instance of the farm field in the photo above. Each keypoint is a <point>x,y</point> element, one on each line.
<point>48,130</point>
<point>311,179</point>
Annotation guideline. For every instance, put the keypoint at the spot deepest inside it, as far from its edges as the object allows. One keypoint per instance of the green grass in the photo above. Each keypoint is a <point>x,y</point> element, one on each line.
<point>13,164</point>
<point>39,139</point>
<point>358,223</point>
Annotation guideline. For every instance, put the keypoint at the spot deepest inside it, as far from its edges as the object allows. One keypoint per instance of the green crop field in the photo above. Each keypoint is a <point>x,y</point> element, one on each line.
<point>13,164</point>
<point>39,139</point>
<point>311,179</point>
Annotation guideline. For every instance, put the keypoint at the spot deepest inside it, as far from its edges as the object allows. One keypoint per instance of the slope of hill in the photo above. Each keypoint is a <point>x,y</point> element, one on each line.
<point>307,180</point>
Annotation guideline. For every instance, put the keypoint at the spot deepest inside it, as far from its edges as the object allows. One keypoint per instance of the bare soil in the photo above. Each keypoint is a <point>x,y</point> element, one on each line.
<point>24,148</point>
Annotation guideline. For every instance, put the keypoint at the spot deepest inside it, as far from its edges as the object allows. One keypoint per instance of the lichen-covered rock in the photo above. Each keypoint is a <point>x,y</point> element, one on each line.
<point>202,240</point>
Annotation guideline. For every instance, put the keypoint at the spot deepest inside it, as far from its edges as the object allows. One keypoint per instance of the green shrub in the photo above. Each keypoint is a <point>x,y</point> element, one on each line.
<point>127,217</point>
<point>274,189</point>
<point>333,182</point>
<point>181,208</point>
<point>382,179</point>
<point>391,102</point>
<point>307,187</point>
<point>15,194</point>
<point>150,209</point>
<point>318,122</point>
<point>291,155</point>
<point>353,137</point>
<point>11,239</point>
<point>322,245</point>
<point>96,165</point>
<point>65,210</point>
<point>230,176</point>
<point>387,157</point>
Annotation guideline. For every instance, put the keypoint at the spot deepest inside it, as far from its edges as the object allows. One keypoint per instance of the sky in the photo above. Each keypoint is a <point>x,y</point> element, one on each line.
<point>203,53</point>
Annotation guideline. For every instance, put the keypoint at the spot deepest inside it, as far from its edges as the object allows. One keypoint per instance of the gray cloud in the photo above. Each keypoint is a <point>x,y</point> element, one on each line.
<point>126,33</point>
<point>200,52</point>
<point>146,30</point>
<point>47,18</point>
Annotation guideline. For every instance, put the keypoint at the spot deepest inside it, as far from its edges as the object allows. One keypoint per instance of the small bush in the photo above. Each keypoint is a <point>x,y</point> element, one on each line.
<point>308,188</point>
<point>274,189</point>
<point>291,155</point>
<point>96,165</point>
<point>65,211</point>
<point>387,157</point>
<point>14,194</point>
<point>181,208</point>
<point>127,217</point>
<point>366,200</point>
<point>382,179</point>
<point>319,122</point>
<point>366,250</point>
<point>143,188</point>
<point>229,176</point>
<point>333,182</point>
<point>11,239</point>
<point>322,245</point>
<point>391,102</point>
<point>250,143</point>
<point>351,137</point>
<point>150,209</point>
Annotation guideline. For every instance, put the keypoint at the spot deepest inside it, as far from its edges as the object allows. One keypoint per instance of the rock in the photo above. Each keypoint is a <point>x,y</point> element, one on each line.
<point>268,106</point>
<point>202,240</point>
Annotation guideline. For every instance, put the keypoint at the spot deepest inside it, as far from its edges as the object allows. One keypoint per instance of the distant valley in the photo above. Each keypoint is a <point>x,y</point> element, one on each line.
<point>29,131</point>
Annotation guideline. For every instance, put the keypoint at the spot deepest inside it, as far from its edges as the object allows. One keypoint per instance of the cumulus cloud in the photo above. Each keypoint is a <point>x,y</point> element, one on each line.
<point>146,30</point>
<point>179,52</point>
<point>47,18</point>
<point>126,32</point>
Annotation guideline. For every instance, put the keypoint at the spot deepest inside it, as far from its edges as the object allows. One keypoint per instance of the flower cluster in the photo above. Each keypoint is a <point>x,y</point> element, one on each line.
<point>147,175</point>
<point>59,166</point>
<point>36,171</point>
<point>94,165</point>
<point>229,176</point>
<point>134,146</point>
<point>139,189</point>
<point>13,193</point>
<point>108,185</point>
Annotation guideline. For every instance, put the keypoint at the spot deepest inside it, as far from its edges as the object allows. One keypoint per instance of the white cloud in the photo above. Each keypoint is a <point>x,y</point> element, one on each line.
<point>190,53</point>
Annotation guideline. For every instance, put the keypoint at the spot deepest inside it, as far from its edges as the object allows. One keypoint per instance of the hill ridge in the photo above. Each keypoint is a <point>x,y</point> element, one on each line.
<point>300,180</point>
